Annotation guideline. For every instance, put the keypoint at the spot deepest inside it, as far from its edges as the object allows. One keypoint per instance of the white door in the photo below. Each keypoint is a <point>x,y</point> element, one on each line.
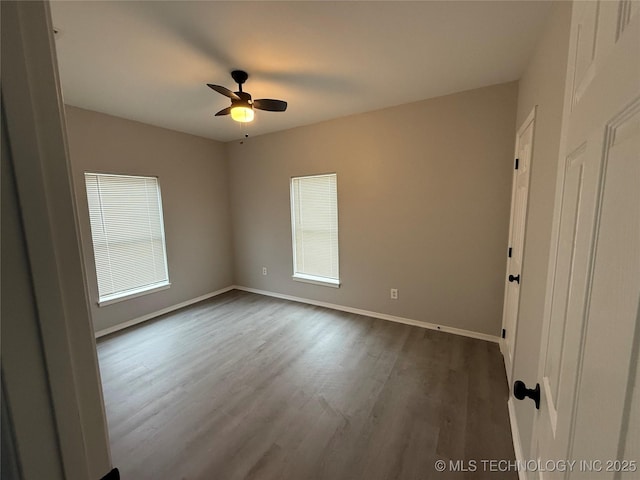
<point>519,200</point>
<point>588,371</point>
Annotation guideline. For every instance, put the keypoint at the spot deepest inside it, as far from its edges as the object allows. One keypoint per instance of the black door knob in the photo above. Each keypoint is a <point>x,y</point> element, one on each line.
<point>515,278</point>
<point>520,391</point>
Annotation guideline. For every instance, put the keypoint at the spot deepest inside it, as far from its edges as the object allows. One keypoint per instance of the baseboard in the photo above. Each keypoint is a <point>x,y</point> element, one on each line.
<point>149,316</point>
<point>382,316</point>
<point>503,346</point>
<point>515,433</point>
<point>508,367</point>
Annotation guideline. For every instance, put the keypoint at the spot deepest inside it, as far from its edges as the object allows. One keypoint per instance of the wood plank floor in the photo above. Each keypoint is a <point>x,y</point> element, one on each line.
<point>250,387</point>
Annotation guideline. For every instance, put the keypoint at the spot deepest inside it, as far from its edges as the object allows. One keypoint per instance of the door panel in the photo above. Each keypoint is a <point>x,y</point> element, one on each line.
<point>567,322</point>
<point>589,348</point>
<point>557,336</point>
<point>626,11</point>
<point>609,368</point>
<point>587,14</point>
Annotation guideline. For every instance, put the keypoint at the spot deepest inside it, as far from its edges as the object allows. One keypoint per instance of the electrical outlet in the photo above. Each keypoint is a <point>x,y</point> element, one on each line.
<point>264,270</point>
<point>394,293</point>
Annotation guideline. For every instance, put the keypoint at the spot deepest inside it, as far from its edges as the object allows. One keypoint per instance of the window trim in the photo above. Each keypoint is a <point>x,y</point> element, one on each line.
<point>105,300</point>
<point>316,280</point>
<point>133,293</point>
<point>305,277</point>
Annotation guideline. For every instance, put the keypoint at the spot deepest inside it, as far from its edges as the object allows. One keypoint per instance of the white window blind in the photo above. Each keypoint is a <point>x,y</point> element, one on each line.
<point>314,219</point>
<point>128,234</point>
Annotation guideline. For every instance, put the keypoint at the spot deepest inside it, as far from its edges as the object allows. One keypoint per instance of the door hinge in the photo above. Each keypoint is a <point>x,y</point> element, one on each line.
<point>517,162</point>
<point>509,253</point>
<point>504,333</point>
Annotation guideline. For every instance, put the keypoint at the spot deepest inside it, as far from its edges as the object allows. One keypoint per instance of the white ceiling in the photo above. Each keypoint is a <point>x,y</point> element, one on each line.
<point>150,61</point>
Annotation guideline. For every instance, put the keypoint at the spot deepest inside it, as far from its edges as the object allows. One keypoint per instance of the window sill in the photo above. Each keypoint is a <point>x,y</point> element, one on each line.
<point>323,281</point>
<point>138,292</point>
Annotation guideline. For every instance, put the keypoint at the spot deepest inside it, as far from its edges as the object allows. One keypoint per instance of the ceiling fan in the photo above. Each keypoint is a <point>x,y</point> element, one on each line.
<point>242,105</point>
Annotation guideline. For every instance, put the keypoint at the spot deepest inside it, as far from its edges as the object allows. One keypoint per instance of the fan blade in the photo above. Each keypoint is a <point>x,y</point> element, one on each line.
<point>270,105</point>
<point>224,111</point>
<point>224,91</point>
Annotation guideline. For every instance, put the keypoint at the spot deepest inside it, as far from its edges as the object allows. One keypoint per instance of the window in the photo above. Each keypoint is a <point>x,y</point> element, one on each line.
<point>128,235</point>
<point>314,221</point>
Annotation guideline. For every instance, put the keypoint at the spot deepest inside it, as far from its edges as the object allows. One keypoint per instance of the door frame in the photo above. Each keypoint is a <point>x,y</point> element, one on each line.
<point>509,363</point>
<point>33,105</point>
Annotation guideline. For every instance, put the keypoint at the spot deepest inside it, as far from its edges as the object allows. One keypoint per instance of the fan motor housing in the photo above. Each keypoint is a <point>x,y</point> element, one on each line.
<point>245,99</point>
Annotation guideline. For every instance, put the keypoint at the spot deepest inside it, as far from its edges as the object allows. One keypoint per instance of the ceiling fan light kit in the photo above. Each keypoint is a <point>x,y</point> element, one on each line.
<point>242,106</point>
<point>242,113</point>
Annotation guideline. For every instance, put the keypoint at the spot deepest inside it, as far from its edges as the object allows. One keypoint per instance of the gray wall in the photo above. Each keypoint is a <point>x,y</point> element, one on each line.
<point>423,206</point>
<point>542,84</point>
<point>192,172</point>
